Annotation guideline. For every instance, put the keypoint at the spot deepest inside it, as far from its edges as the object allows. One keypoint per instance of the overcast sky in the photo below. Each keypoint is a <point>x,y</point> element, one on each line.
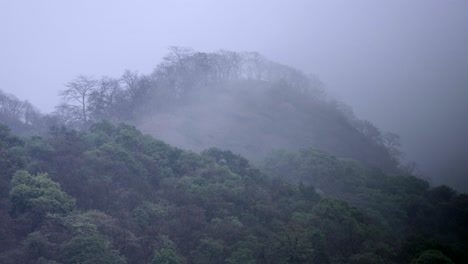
<point>401,64</point>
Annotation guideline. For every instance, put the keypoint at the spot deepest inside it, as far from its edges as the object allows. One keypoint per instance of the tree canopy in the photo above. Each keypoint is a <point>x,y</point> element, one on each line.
<point>115,195</point>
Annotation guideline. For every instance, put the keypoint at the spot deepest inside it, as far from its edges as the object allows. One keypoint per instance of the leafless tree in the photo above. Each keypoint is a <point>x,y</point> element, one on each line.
<point>392,143</point>
<point>102,99</point>
<point>76,96</point>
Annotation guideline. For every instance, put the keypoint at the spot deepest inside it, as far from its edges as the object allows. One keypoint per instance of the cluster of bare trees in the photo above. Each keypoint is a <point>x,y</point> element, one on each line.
<point>87,99</point>
<point>179,80</point>
<point>388,141</point>
<point>182,72</point>
<point>184,69</point>
<point>18,115</point>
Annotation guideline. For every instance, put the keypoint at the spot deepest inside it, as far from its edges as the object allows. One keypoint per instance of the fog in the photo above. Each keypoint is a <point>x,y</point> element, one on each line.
<point>402,65</point>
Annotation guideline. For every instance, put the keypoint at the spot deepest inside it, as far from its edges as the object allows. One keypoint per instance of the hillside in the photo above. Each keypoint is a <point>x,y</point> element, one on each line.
<point>85,184</point>
<point>111,194</point>
<point>238,101</point>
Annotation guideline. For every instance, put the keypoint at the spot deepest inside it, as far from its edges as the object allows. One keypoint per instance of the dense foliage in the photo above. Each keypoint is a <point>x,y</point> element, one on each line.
<point>111,194</point>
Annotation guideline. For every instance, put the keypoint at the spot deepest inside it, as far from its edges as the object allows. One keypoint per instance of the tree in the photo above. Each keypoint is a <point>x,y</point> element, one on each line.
<point>134,94</point>
<point>241,255</point>
<point>297,245</point>
<point>90,249</point>
<point>209,251</point>
<point>76,97</point>
<point>166,256</point>
<point>21,116</point>
<point>432,257</point>
<point>369,130</point>
<point>254,65</point>
<point>10,107</point>
<point>103,99</point>
<point>344,227</point>
<point>392,143</point>
<point>35,196</point>
<point>36,245</point>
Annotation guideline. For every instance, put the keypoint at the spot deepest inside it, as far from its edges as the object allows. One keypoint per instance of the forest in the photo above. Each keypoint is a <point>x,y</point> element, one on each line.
<point>219,157</point>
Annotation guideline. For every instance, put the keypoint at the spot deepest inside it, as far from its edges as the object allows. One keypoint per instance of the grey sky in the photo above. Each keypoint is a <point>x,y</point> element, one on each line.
<point>401,64</point>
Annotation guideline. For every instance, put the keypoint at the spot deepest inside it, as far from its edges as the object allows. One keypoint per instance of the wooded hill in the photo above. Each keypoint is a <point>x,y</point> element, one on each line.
<point>237,101</point>
<point>113,195</point>
<point>85,185</point>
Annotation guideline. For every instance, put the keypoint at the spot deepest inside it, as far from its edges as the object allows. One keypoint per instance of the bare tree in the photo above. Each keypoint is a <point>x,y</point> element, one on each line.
<point>10,107</point>
<point>31,115</point>
<point>129,79</point>
<point>76,96</point>
<point>254,65</point>
<point>68,115</point>
<point>102,99</point>
<point>392,143</point>
<point>178,54</point>
<point>369,130</point>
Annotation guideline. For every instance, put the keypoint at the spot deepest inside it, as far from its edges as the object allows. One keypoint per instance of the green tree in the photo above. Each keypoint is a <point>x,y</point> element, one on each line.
<point>36,245</point>
<point>345,227</point>
<point>295,244</point>
<point>42,260</point>
<point>166,256</point>
<point>90,250</point>
<point>241,255</point>
<point>38,192</point>
<point>209,251</point>
<point>38,195</point>
<point>432,257</point>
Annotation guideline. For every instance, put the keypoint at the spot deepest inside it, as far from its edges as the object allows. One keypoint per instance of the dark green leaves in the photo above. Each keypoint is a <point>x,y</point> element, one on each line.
<point>39,194</point>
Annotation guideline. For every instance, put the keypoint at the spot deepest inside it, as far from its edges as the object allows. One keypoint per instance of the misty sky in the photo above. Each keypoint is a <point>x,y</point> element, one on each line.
<point>401,64</point>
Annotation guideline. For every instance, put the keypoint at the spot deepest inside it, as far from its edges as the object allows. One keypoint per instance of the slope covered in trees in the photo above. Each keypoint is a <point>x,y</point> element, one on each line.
<point>82,190</point>
<point>22,117</point>
<point>111,194</point>
<point>237,101</point>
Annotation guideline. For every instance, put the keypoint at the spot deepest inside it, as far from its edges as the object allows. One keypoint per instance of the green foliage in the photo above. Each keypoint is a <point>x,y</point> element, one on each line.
<point>150,215</point>
<point>11,158</point>
<point>347,179</point>
<point>8,140</point>
<point>315,167</point>
<point>36,245</point>
<point>209,251</point>
<point>367,258</point>
<point>346,228</point>
<point>37,147</point>
<point>166,256</point>
<point>89,250</point>
<point>432,257</point>
<point>45,261</point>
<point>241,255</point>
<point>296,244</point>
<point>141,200</point>
<point>235,163</point>
<point>39,194</point>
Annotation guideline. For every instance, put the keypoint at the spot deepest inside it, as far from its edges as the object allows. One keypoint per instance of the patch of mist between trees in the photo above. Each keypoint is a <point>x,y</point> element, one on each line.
<point>451,170</point>
<point>218,116</point>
